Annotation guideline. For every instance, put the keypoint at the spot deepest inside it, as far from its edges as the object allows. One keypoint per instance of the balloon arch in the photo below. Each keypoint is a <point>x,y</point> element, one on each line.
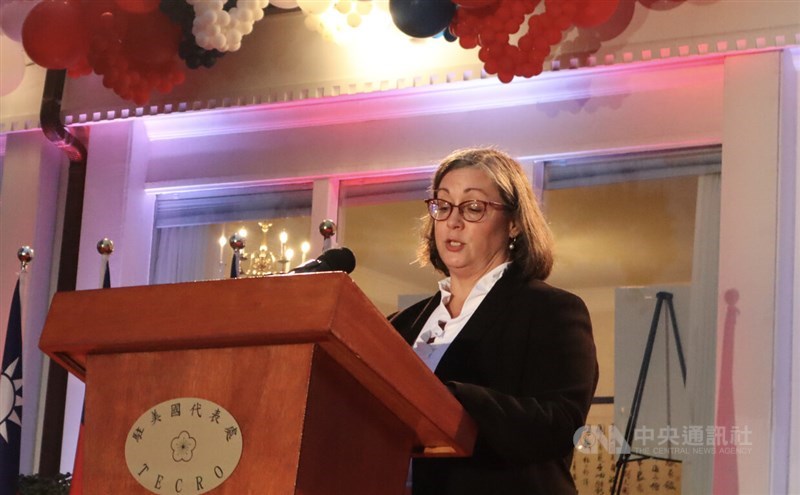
<point>141,46</point>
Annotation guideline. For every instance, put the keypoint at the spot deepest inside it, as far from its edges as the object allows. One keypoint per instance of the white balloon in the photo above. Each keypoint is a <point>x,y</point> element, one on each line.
<point>12,15</point>
<point>314,6</point>
<point>364,7</point>
<point>381,4</point>
<point>354,19</point>
<point>205,18</point>
<point>13,56</point>
<point>206,4</point>
<point>284,4</point>
<point>214,28</point>
<point>234,38</point>
<point>241,15</point>
<point>245,29</point>
<point>343,6</point>
<point>223,19</point>
<point>311,22</point>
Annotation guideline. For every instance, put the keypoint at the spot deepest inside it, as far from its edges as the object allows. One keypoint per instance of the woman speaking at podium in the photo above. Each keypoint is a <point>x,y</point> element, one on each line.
<point>516,352</point>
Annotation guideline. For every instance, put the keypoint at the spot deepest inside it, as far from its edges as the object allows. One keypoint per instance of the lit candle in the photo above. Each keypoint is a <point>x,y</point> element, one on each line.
<point>222,241</point>
<point>305,247</point>
<point>289,256</point>
<point>283,237</point>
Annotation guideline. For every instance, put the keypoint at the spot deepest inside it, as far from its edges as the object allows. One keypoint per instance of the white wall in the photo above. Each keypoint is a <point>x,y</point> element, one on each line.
<point>792,94</point>
<point>28,216</point>
<point>115,206</point>
<point>622,108</point>
<point>786,416</point>
<point>749,266</point>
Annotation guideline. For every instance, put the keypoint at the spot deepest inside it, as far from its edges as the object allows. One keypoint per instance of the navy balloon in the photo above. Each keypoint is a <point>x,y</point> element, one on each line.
<point>422,18</point>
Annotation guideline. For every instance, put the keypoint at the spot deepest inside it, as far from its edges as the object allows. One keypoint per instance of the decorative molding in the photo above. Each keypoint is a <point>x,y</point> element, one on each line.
<point>19,124</point>
<point>206,185</point>
<point>433,100</point>
<point>432,84</point>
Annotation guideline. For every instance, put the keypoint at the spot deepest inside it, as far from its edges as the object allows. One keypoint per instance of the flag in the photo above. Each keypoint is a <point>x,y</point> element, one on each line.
<point>235,265</point>
<point>107,277</point>
<point>11,399</point>
<point>76,485</point>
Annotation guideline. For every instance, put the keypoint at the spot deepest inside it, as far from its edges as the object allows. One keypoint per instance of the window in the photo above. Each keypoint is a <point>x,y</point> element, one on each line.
<point>189,228</point>
<point>380,221</point>
<point>627,227</point>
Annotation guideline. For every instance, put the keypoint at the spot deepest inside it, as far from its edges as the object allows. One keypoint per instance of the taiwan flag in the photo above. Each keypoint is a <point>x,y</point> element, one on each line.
<point>11,399</point>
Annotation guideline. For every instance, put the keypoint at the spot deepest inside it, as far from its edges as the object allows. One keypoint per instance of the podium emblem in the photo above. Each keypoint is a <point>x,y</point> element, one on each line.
<point>183,446</point>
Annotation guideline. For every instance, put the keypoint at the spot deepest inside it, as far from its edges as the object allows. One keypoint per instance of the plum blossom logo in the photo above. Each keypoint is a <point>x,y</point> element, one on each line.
<point>183,447</point>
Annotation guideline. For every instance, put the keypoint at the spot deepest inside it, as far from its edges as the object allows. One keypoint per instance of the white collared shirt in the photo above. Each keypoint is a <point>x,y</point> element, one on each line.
<point>441,329</point>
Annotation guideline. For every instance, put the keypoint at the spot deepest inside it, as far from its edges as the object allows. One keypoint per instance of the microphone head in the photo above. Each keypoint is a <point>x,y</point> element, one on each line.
<point>332,260</point>
<point>338,259</point>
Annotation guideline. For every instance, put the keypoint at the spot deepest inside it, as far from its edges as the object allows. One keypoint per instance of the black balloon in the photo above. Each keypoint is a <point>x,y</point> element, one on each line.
<point>195,56</point>
<point>422,18</point>
<point>182,13</point>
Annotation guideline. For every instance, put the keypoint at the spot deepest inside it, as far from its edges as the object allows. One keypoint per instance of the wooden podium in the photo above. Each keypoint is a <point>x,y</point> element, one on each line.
<point>329,399</point>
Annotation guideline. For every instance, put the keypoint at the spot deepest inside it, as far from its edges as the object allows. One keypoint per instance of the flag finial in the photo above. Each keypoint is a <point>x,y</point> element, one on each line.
<point>105,246</point>
<point>25,256</point>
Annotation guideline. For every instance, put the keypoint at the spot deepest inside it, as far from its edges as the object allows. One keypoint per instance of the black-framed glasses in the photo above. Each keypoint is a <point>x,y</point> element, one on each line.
<point>471,210</point>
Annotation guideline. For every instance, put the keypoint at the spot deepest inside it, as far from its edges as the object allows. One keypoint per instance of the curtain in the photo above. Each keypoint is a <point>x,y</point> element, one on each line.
<point>185,254</point>
<point>702,342</point>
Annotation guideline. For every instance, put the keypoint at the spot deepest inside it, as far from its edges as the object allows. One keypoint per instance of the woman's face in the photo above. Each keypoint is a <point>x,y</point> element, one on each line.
<point>471,249</point>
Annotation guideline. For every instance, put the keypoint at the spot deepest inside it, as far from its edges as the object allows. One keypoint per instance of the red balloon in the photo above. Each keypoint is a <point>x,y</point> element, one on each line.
<point>178,75</point>
<point>151,39</point>
<point>138,6</point>
<point>505,77</point>
<point>80,68</point>
<point>525,43</point>
<point>592,13</point>
<point>468,42</point>
<point>491,66</point>
<point>54,35</point>
<point>98,14</point>
<point>474,4</point>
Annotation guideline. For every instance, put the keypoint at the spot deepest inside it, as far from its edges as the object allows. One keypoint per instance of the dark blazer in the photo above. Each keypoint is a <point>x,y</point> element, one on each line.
<point>524,367</point>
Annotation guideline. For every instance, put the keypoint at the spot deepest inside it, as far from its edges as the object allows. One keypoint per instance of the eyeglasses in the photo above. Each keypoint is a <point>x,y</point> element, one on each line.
<point>471,211</point>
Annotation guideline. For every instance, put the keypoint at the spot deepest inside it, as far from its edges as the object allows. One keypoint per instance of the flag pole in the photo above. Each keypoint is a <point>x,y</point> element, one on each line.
<point>11,386</point>
<point>105,247</point>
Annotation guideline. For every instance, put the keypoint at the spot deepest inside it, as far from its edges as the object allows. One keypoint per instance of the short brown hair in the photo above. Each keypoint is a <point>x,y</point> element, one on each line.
<point>533,246</point>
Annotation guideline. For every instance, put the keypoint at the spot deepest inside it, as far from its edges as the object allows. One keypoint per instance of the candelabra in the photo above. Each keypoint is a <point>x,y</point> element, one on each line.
<point>262,261</point>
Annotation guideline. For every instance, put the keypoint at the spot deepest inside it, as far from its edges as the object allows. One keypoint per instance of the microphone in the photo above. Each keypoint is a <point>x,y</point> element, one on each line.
<point>332,260</point>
